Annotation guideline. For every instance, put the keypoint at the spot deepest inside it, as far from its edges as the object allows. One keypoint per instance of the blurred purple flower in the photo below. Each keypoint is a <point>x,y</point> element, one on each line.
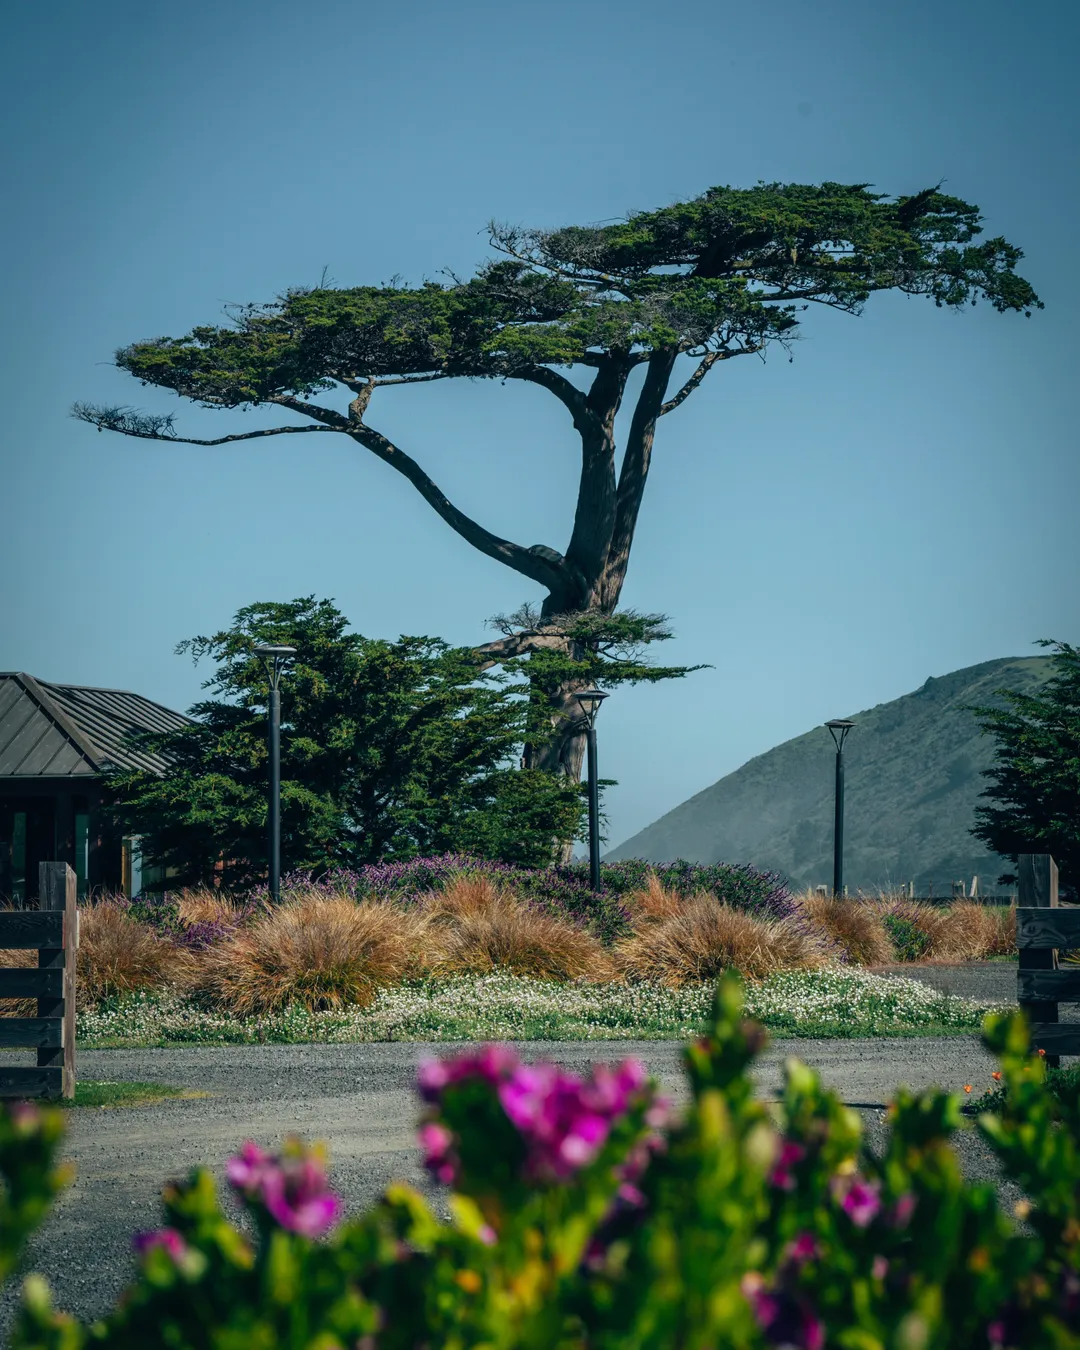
<point>802,1249</point>
<point>292,1186</point>
<point>167,1240</point>
<point>860,1200</point>
<point>437,1143</point>
<point>781,1176</point>
<point>564,1120</point>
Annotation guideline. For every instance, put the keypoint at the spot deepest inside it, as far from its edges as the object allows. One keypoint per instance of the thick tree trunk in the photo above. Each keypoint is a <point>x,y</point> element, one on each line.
<point>564,753</point>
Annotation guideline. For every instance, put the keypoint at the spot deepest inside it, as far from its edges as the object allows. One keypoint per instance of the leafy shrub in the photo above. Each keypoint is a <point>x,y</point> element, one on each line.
<point>474,926</point>
<point>584,1214</point>
<point>910,942</point>
<point>316,951</point>
<point>855,927</point>
<point>701,938</point>
<point>118,954</point>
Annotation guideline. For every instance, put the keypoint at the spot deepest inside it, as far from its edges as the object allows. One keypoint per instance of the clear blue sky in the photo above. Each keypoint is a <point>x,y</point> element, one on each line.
<point>898,502</point>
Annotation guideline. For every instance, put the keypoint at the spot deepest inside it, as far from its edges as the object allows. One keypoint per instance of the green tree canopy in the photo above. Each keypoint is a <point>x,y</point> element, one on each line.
<point>1034,793</point>
<point>575,311</point>
<point>389,750</point>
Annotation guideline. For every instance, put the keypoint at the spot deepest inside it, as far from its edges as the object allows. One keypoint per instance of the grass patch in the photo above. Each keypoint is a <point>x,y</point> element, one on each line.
<point>108,1095</point>
<point>502,1007</point>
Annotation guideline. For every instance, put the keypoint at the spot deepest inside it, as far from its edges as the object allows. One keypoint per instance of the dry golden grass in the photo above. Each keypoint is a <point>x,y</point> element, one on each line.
<point>961,931</point>
<point>18,960</point>
<point>853,926</point>
<point>972,932</point>
<point>653,903</point>
<point>320,952</point>
<point>207,906</point>
<point>474,926</point>
<point>705,937</point>
<point>117,955</point>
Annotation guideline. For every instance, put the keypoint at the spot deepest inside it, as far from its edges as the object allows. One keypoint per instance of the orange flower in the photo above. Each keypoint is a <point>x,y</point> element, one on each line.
<point>996,1075</point>
<point>967,1087</point>
<point>1042,1052</point>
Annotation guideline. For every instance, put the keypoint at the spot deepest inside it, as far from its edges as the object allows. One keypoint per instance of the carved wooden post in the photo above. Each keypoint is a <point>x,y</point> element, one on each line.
<point>57,891</point>
<point>1038,888</point>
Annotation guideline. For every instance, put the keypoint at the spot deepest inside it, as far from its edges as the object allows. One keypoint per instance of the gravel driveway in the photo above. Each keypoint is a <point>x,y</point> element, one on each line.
<point>358,1098</point>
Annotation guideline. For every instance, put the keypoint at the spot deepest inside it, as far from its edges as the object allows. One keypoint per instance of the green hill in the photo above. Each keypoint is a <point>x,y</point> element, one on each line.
<point>912,771</point>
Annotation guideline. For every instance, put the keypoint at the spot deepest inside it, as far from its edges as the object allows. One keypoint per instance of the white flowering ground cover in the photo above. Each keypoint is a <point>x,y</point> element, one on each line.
<point>501,1007</point>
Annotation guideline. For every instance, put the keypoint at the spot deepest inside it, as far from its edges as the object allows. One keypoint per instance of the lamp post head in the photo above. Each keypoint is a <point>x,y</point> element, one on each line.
<point>838,729</point>
<point>590,700</point>
<point>274,658</point>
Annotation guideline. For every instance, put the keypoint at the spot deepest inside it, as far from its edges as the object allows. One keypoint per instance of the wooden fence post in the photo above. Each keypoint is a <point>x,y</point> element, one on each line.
<point>57,891</point>
<point>1038,888</point>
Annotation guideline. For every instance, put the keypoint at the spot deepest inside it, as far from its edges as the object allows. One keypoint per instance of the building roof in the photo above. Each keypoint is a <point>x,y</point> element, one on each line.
<point>70,731</point>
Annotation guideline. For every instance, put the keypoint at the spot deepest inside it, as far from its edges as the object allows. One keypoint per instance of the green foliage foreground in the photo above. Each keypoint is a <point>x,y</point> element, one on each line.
<point>582,1213</point>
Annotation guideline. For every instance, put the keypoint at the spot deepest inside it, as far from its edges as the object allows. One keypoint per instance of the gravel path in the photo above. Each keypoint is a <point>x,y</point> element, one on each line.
<point>358,1098</point>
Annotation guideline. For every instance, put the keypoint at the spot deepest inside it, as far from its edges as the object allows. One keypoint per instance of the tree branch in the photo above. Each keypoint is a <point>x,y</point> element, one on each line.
<point>576,403</point>
<point>635,470</point>
<point>543,565</point>
<point>148,427</point>
<point>704,366</point>
<point>539,563</point>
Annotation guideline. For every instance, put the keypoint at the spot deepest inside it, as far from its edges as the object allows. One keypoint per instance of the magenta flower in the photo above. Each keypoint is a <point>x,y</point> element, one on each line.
<point>563,1120</point>
<point>291,1186</point>
<point>491,1064</point>
<point>802,1249</point>
<point>437,1143</point>
<point>880,1268</point>
<point>995,1333</point>
<point>781,1175</point>
<point>167,1240</point>
<point>858,1199</point>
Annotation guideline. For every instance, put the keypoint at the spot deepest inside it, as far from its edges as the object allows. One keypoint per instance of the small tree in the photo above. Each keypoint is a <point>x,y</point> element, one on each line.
<point>390,749</point>
<point>691,285</point>
<point>1034,793</point>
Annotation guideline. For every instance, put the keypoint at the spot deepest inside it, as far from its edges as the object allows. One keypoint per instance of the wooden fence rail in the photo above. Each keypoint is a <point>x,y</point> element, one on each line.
<point>1041,929</point>
<point>53,931</point>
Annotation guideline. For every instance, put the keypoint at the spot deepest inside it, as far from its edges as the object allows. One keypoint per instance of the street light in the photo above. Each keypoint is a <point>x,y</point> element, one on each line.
<point>838,729</point>
<point>274,658</point>
<point>590,700</point>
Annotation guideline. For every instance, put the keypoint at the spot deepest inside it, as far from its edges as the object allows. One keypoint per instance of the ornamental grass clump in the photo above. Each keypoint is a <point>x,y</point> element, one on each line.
<point>704,937</point>
<point>978,931</point>
<point>316,951</point>
<point>118,954</point>
<point>958,932</point>
<point>474,925</point>
<point>854,927</point>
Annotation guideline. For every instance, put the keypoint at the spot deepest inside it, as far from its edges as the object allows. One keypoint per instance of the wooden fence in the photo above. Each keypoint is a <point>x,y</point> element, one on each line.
<point>53,931</point>
<point>1042,927</point>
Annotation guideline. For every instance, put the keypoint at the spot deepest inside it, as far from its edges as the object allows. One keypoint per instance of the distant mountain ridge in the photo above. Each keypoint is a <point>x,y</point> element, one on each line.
<point>913,777</point>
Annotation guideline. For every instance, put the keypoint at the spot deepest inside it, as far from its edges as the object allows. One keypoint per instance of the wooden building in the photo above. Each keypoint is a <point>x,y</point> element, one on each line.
<point>54,741</point>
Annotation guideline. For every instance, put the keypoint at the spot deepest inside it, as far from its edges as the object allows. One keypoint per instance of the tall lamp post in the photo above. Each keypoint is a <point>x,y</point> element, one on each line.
<point>838,729</point>
<point>590,700</point>
<point>274,659</point>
